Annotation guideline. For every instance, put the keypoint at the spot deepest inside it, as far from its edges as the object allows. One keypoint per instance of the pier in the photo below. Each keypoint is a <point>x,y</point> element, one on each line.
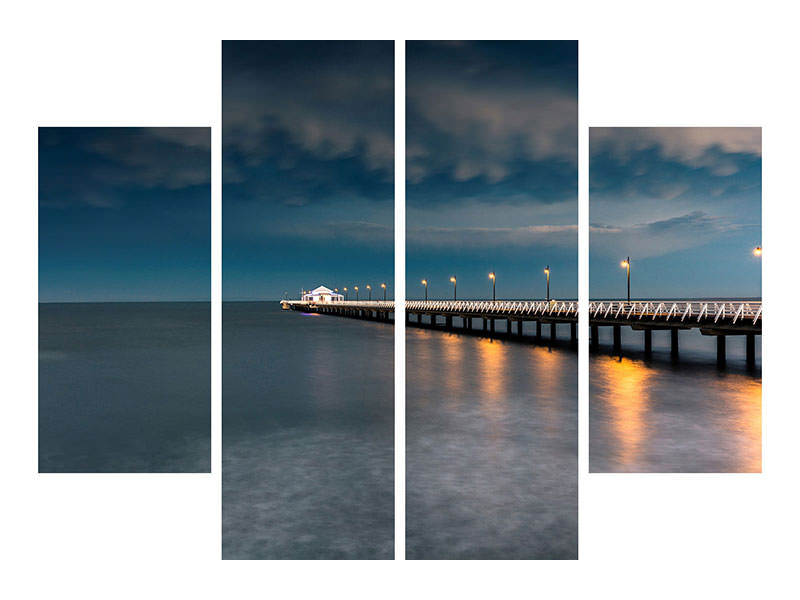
<point>713,318</point>
<point>506,318</point>
<point>367,310</point>
<point>510,315</point>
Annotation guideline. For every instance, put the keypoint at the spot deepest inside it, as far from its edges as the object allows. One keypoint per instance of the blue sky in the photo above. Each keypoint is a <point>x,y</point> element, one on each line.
<point>684,203</point>
<point>308,166</point>
<point>492,167</point>
<point>124,214</point>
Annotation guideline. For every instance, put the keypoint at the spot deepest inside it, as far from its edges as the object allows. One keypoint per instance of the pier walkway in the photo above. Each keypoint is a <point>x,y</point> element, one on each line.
<point>719,318</point>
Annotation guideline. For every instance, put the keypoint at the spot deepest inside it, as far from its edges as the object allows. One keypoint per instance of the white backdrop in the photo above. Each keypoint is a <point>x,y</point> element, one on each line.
<point>158,63</point>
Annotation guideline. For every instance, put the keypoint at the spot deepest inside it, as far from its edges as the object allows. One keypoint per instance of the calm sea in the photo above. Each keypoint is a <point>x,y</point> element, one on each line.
<point>491,448</point>
<point>661,416</point>
<point>308,435</point>
<point>124,387</point>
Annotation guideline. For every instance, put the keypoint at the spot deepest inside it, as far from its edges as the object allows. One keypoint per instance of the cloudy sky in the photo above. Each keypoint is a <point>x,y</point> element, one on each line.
<point>308,166</point>
<point>124,214</point>
<point>492,167</point>
<point>684,203</point>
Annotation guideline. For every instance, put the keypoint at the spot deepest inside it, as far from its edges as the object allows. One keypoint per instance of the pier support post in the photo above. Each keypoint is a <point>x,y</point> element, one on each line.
<point>491,324</point>
<point>519,328</point>
<point>433,320</point>
<point>595,337</point>
<point>573,333</point>
<point>552,332</point>
<point>751,350</point>
<point>509,327</point>
<point>673,343</point>
<point>648,342</point>
<point>448,322</point>
<point>485,324</point>
<point>617,339</point>
<point>466,324</point>
<point>408,317</point>
<point>538,330</point>
<point>720,351</point>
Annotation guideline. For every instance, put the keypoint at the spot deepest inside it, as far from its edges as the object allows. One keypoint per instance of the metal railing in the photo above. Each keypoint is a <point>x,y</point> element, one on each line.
<point>688,312</point>
<point>365,304</point>
<point>496,307</point>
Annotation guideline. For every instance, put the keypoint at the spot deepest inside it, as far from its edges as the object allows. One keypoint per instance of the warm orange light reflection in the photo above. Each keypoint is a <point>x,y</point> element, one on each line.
<point>546,370</point>
<point>492,364</point>
<point>626,384</point>
<point>743,396</point>
<point>452,361</point>
<point>757,251</point>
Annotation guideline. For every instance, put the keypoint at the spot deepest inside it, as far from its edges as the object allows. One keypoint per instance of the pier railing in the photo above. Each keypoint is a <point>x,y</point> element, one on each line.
<point>498,308</point>
<point>382,305</point>
<point>688,313</point>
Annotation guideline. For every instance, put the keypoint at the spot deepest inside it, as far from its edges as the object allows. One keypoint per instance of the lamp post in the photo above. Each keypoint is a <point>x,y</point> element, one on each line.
<point>355,287</point>
<point>369,288</point>
<point>425,283</point>
<point>493,277</point>
<point>627,265</point>
<point>547,273</point>
<point>455,286</point>
<point>383,285</point>
<point>345,293</point>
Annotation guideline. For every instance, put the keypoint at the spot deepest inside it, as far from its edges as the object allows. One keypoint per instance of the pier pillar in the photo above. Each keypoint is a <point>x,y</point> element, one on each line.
<point>751,350</point>
<point>509,327</point>
<point>419,317</point>
<point>408,317</point>
<point>552,332</point>
<point>538,330</point>
<point>617,339</point>
<point>485,324</point>
<point>720,351</point>
<point>448,322</point>
<point>573,333</point>
<point>491,324</point>
<point>648,342</point>
<point>673,343</point>
<point>519,328</point>
<point>466,324</point>
<point>433,320</point>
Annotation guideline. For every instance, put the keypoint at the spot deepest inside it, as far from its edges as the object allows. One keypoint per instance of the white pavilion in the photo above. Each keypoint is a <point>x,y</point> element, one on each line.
<point>322,294</point>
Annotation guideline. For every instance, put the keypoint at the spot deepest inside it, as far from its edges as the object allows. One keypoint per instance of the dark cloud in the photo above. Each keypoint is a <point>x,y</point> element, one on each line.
<point>308,122</point>
<point>101,167</point>
<point>495,120</point>
<point>674,162</point>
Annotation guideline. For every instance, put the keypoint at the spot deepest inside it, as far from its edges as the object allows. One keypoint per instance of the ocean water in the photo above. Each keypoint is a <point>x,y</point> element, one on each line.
<point>491,448</point>
<point>659,416</point>
<point>308,435</point>
<point>124,387</point>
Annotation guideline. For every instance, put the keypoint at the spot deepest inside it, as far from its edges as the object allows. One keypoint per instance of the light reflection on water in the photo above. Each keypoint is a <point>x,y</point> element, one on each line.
<point>491,463</point>
<point>682,417</point>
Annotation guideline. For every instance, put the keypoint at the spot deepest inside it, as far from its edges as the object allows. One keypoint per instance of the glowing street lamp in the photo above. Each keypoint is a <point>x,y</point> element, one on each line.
<point>425,283</point>
<point>383,285</point>
<point>626,264</point>
<point>355,287</point>
<point>369,287</point>
<point>757,251</point>
<point>345,293</point>
<point>547,272</point>
<point>493,277</point>
<point>455,286</point>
